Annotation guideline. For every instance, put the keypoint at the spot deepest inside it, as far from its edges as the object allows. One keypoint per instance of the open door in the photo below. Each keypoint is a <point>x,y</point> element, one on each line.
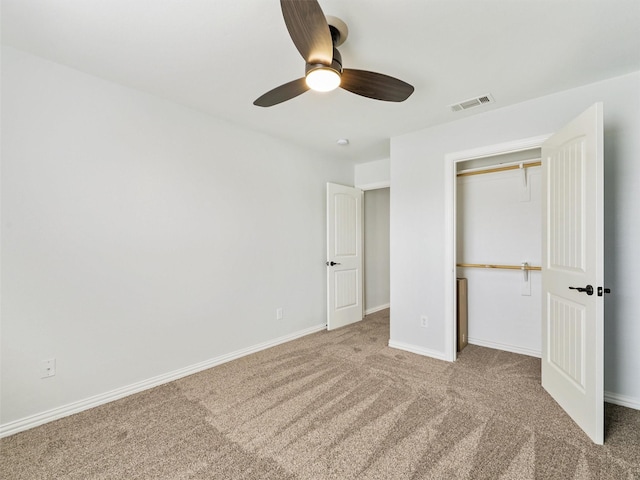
<point>573,270</point>
<point>344,256</point>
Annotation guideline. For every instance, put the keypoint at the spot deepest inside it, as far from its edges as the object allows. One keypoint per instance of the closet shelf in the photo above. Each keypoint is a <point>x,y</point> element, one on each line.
<point>503,267</point>
<point>482,171</point>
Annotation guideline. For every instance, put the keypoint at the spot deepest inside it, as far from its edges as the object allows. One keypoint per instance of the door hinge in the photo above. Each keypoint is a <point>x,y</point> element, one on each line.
<point>602,290</point>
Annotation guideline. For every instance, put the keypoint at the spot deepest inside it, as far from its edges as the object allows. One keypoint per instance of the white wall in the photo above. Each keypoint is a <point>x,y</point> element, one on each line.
<point>141,237</point>
<point>372,175</point>
<point>417,217</point>
<point>376,250</point>
<point>499,223</point>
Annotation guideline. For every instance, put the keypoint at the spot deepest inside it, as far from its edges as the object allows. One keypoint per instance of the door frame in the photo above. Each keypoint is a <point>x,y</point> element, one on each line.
<point>367,188</point>
<point>450,231</point>
<point>363,188</point>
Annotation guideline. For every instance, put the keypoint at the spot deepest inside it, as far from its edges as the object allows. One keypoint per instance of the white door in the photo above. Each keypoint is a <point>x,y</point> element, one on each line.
<point>572,258</point>
<point>344,256</point>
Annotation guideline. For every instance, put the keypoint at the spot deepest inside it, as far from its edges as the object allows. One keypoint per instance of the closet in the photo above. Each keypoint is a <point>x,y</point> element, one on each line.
<point>376,250</point>
<point>498,249</point>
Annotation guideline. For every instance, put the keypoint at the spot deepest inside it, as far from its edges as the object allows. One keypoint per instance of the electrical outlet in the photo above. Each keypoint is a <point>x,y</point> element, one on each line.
<point>48,368</point>
<point>424,321</point>
<point>279,313</point>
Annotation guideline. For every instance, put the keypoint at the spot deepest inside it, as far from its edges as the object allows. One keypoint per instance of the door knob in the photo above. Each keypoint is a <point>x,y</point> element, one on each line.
<point>331,264</point>
<point>588,289</point>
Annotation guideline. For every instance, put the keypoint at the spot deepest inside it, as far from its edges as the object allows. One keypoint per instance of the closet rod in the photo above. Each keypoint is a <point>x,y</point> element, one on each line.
<point>499,169</point>
<point>505,267</point>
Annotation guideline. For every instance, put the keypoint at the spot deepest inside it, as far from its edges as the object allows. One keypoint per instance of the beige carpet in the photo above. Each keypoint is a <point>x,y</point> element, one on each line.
<point>334,405</point>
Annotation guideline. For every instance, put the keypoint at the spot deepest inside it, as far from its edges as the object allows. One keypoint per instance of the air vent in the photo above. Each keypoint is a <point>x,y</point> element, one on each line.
<point>472,102</point>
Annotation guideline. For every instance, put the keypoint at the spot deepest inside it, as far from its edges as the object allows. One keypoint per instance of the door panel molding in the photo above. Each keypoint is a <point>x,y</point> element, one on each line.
<point>573,261</point>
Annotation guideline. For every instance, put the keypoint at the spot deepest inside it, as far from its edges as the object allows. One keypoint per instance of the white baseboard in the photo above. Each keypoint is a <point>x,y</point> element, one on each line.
<point>622,400</point>
<point>377,309</point>
<point>419,350</point>
<point>505,347</point>
<point>96,400</point>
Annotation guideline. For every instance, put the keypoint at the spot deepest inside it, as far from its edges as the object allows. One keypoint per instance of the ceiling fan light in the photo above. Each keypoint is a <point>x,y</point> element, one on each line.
<point>323,79</point>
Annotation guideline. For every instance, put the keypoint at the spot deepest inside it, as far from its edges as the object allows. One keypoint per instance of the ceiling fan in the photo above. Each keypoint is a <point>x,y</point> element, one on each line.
<point>316,40</point>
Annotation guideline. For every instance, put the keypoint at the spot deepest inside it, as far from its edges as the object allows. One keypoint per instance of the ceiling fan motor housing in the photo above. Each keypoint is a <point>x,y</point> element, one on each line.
<point>339,30</point>
<point>336,64</point>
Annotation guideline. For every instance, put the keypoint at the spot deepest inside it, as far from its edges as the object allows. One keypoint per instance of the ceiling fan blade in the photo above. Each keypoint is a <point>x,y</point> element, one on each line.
<point>309,30</point>
<point>375,85</point>
<point>282,93</point>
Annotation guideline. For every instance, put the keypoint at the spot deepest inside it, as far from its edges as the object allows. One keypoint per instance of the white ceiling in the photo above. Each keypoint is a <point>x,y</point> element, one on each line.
<point>219,55</point>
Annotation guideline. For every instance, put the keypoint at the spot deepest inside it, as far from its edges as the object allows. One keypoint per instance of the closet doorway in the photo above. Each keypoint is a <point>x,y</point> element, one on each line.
<point>513,153</point>
<point>498,249</point>
<point>376,250</point>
